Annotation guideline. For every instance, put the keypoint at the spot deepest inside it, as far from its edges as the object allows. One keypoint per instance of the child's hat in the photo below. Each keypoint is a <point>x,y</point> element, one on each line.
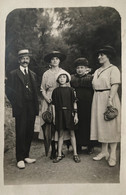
<point>81,62</point>
<point>61,72</point>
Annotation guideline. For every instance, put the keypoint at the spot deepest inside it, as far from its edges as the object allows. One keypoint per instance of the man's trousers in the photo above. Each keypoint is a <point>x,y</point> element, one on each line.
<point>24,130</point>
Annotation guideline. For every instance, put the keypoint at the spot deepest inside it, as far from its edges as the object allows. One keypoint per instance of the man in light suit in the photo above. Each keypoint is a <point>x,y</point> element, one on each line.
<point>21,90</point>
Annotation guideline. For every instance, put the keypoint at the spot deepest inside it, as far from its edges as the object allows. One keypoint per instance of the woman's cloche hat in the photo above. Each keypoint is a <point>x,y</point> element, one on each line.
<point>58,54</point>
<point>61,72</point>
<point>107,49</point>
<point>81,62</point>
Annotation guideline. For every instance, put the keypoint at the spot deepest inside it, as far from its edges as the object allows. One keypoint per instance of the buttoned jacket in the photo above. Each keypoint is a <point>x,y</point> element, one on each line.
<point>15,91</point>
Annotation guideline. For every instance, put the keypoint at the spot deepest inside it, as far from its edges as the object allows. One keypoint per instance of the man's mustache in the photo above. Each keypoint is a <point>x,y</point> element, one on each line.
<point>25,63</point>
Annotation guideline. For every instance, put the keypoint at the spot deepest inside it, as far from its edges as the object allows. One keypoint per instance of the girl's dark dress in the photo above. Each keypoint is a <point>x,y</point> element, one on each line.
<point>63,98</point>
<point>84,93</point>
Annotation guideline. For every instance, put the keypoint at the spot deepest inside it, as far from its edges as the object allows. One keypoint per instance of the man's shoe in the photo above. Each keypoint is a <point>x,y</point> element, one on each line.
<point>30,160</point>
<point>21,164</point>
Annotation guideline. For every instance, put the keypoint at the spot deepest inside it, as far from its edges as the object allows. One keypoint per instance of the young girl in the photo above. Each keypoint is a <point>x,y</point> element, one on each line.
<point>65,109</point>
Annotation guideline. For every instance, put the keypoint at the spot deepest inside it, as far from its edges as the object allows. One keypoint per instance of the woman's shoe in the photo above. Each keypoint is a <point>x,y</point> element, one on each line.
<point>57,159</point>
<point>112,162</point>
<point>76,158</point>
<point>101,155</point>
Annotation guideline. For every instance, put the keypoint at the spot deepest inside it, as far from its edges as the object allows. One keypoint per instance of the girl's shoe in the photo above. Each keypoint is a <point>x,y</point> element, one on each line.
<point>76,158</point>
<point>112,162</point>
<point>57,159</point>
<point>101,155</point>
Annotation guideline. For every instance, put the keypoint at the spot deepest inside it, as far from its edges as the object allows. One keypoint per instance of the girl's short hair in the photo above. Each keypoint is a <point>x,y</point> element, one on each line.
<point>67,80</point>
<point>63,72</point>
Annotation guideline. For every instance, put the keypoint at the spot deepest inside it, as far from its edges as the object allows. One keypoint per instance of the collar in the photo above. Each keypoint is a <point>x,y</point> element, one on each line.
<point>85,74</point>
<point>80,76</point>
<point>22,69</point>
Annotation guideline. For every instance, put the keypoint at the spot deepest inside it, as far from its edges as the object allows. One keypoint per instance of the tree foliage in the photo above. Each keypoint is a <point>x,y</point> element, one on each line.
<point>77,32</point>
<point>87,29</point>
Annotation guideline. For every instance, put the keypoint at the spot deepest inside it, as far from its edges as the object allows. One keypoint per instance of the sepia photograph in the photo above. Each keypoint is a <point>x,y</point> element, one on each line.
<point>63,107</point>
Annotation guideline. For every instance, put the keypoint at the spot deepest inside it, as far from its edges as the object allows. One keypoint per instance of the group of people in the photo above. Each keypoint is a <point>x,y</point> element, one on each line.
<point>77,103</point>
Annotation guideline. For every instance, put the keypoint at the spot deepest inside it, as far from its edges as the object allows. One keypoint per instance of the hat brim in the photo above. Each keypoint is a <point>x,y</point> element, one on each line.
<point>48,57</point>
<point>63,72</point>
<point>26,54</point>
<point>106,51</point>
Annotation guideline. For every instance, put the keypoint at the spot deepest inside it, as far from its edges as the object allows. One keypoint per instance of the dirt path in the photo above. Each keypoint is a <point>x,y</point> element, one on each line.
<point>66,171</point>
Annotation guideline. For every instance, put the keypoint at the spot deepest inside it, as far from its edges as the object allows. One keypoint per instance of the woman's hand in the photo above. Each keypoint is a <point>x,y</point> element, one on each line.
<point>48,100</point>
<point>75,119</point>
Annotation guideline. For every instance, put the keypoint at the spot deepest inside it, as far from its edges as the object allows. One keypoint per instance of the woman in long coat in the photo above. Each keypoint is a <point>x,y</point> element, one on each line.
<point>82,83</point>
<point>105,83</point>
<point>48,84</point>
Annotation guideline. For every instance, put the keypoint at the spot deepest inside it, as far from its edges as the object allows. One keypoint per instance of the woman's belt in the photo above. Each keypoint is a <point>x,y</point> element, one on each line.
<point>101,90</point>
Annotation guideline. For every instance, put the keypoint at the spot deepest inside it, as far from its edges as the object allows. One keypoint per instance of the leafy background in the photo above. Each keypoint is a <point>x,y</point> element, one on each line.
<point>74,31</point>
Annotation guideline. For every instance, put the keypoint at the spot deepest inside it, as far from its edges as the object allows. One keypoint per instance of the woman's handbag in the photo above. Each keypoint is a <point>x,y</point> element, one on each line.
<point>110,113</point>
<point>47,115</point>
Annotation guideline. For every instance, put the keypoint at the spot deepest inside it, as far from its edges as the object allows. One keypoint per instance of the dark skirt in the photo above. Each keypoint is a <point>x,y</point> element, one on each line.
<point>84,116</point>
<point>64,120</point>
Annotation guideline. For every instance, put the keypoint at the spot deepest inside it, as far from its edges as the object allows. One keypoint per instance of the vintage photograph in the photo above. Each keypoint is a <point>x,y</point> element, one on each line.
<point>62,96</point>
